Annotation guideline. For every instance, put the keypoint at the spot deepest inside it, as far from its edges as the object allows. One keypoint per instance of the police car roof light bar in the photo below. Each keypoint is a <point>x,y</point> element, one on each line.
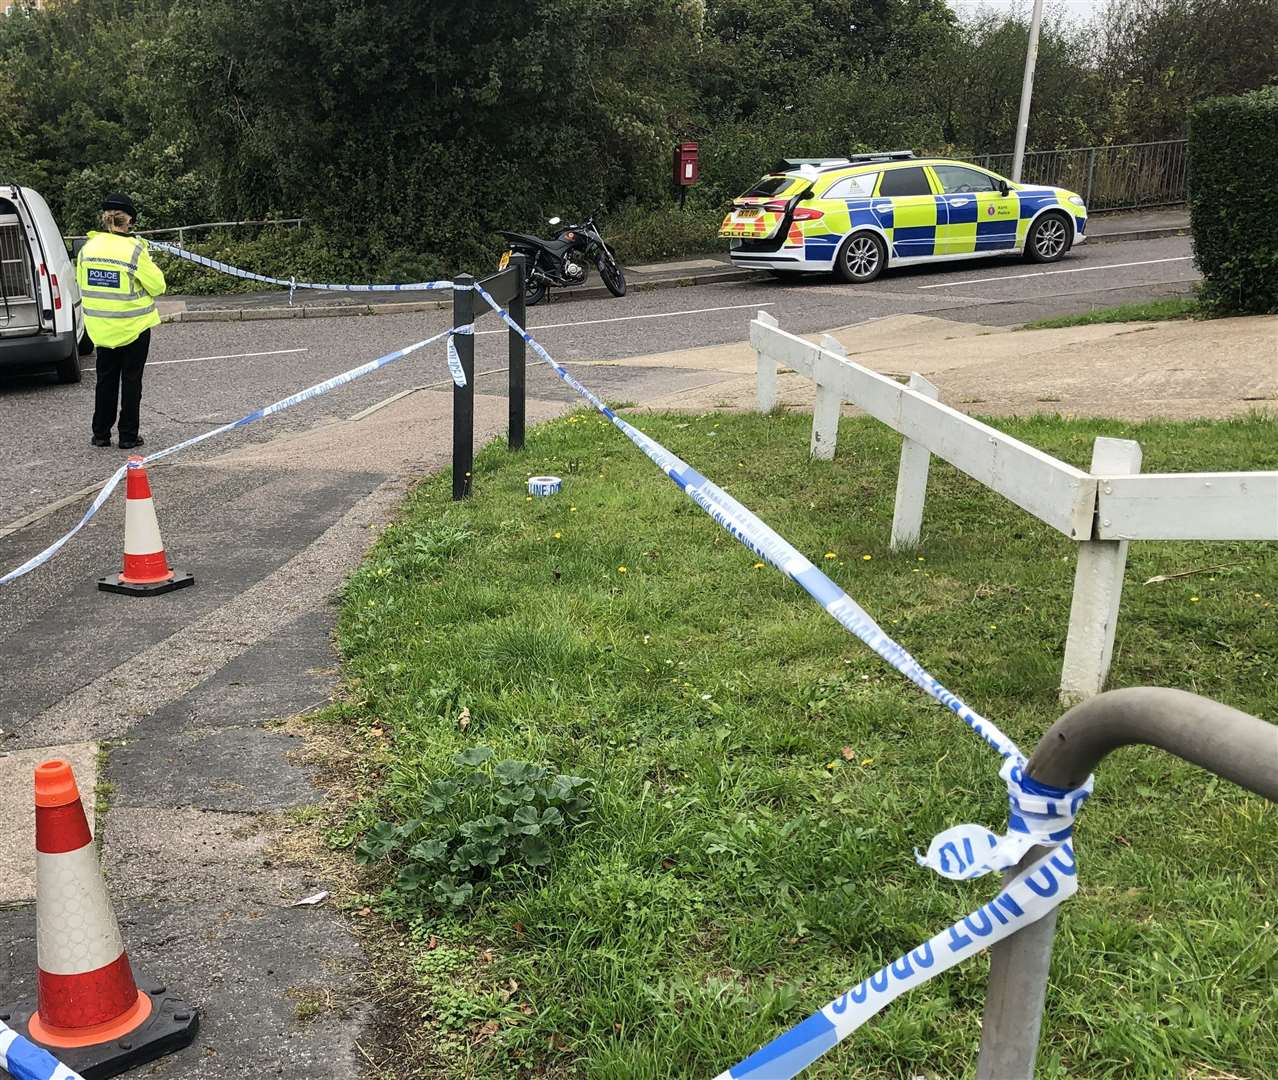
<point>790,164</point>
<point>882,155</point>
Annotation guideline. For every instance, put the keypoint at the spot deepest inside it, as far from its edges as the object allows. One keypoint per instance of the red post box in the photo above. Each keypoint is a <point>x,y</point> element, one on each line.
<point>685,164</point>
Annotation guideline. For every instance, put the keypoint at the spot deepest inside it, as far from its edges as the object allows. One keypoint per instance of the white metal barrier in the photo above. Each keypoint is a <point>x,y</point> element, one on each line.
<point>1101,510</point>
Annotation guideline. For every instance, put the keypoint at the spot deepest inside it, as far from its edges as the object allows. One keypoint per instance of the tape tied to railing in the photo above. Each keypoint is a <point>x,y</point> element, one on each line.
<point>1037,816</point>
<point>24,1060</point>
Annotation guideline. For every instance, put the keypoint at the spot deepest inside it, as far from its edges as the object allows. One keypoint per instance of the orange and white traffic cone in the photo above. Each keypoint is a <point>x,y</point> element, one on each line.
<point>146,568</point>
<point>89,1009</point>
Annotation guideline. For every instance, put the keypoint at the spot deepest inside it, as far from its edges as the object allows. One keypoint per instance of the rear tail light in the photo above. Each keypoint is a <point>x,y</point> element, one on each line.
<point>804,213</point>
<point>57,292</point>
<point>776,206</point>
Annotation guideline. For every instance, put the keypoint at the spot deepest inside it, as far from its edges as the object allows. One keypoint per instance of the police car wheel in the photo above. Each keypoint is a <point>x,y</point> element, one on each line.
<point>1048,239</point>
<point>860,258</point>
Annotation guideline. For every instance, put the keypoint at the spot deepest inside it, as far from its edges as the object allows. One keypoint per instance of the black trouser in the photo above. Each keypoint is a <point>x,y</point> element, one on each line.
<point>120,381</point>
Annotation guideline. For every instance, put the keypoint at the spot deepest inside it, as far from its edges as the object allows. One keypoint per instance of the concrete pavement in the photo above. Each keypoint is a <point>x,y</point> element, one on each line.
<point>1131,371</point>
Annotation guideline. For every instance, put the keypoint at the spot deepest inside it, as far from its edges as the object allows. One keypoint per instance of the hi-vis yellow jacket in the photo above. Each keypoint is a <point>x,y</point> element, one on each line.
<point>118,284</point>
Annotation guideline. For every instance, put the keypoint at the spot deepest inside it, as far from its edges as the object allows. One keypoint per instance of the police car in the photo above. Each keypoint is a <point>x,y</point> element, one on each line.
<point>860,214</point>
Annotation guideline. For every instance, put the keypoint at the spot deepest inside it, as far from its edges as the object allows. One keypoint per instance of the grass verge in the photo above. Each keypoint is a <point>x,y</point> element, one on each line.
<point>1172,307</point>
<point>759,778</point>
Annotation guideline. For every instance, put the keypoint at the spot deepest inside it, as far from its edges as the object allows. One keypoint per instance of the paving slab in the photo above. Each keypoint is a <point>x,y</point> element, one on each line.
<point>17,810</point>
<point>231,527</point>
<point>239,769</point>
<point>164,854</point>
<point>288,673</point>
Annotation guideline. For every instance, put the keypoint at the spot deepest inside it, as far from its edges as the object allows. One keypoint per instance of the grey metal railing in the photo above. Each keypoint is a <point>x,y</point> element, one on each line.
<point>1229,743</point>
<point>182,230</point>
<point>1124,177</point>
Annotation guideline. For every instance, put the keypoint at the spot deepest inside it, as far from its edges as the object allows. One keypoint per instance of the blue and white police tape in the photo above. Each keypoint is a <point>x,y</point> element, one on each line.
<point>1028,800</point>
<point>292,283</point>
<point>1037,814</point>
<point>454,361</point>
<point>544,485</point>
<point>1034,892</point>
<point>761,539</point>
<point>459,377</point>
<point>23,1060</point>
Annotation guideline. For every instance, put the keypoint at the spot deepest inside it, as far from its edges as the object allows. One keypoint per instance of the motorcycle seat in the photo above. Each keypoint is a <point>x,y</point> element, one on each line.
<point>555,247</point>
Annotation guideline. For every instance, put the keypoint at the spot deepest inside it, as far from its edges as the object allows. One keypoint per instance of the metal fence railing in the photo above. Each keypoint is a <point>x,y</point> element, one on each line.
<point>1122,177</point>
<point>182,230</point>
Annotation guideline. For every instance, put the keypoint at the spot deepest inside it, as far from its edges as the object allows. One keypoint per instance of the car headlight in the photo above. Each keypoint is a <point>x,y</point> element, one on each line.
<point>1077,200</point>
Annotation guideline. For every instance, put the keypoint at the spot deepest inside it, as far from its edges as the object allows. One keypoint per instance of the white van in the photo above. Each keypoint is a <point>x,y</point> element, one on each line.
<point>41,317</point>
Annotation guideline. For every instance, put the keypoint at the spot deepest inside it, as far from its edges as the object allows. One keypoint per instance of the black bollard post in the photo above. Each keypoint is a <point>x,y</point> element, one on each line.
<point>518,358</point>
<point>464,396</point>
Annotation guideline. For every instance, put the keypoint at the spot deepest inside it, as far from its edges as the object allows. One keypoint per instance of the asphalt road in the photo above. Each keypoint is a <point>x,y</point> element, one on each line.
<point>203,374</point>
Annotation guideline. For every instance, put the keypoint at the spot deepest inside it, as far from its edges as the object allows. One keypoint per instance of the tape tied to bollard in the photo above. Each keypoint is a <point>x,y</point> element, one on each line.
<point>1037,815</point>
<point>544,485</point>
<point>454,360</point>
<point>24,1060</point>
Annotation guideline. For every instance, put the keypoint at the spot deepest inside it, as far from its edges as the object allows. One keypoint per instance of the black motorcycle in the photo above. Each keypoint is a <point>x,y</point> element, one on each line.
<point>564,260</point>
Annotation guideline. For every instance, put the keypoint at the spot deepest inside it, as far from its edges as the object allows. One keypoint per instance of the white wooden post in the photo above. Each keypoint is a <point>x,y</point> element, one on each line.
<point>825,410</point>
<point>766,379</point>
<point>1098,588</point>
<point>911,480</point>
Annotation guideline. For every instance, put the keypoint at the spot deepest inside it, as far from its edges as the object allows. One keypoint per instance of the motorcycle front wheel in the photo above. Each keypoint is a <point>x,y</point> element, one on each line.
<point>612,275</point>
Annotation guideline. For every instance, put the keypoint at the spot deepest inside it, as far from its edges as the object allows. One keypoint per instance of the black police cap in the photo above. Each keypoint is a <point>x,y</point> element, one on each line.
<point>116,201</point>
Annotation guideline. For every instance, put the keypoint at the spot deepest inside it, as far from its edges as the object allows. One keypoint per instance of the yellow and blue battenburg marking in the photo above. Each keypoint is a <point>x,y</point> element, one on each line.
<point>924,226</point>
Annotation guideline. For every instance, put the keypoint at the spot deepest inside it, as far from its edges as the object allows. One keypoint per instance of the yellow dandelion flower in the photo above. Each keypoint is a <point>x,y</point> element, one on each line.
<point>866,558</point>
<point>831,555</point>
<point>621,569</point>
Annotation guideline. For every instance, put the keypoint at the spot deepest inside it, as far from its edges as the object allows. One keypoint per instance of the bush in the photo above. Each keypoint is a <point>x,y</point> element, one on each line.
<point>1233,200</point>
<point>642,234</point>
<point>474,824</point>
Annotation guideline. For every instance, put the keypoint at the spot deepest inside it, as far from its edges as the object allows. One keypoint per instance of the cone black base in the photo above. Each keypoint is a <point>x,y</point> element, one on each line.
<point>114,584</point>
<point>171,1026</point>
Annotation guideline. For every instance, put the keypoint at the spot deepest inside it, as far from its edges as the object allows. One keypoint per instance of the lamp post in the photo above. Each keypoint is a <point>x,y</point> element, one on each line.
<point>1027,90</point>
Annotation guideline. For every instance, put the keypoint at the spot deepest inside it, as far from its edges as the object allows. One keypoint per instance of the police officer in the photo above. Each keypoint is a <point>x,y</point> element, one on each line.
<point>119,284</point>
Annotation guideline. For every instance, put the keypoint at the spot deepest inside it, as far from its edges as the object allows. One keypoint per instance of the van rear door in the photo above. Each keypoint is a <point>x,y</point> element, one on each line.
<point>20,282</point>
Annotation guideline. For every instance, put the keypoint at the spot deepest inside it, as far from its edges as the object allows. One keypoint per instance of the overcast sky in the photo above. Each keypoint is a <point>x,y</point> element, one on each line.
<point>1081,9</point>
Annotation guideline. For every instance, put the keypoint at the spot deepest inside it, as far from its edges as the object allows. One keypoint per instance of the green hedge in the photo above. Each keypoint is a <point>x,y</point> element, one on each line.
<point>1233,199</point>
